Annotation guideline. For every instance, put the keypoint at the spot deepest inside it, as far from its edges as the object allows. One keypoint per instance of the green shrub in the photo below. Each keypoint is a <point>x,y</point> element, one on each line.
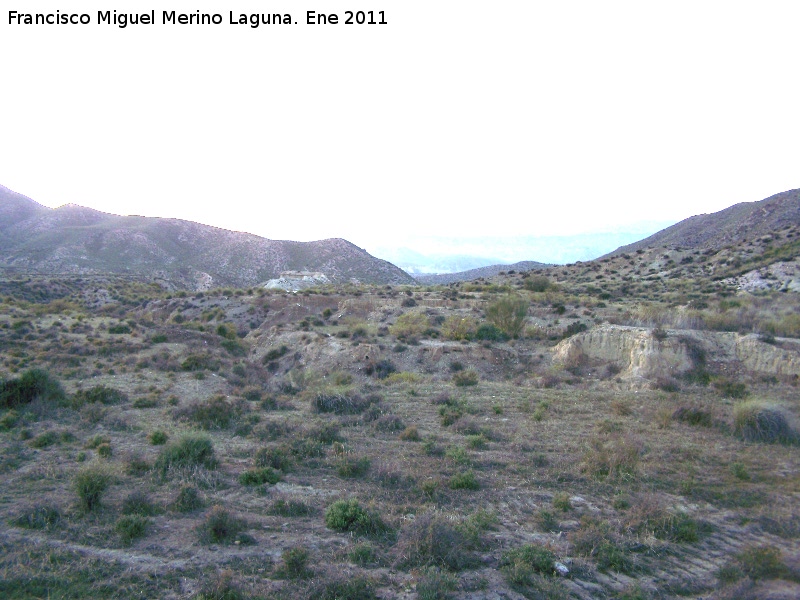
<point>457,454</point>
<point>90,484</point>
<point>478,441</point>
<point>227,331</point>
<point>693,416</point>
<point>46,439</point>
<point>131,527</point>
<point>260,476</point>
<point>350,466</point>
<point>9,420</point>
<point>410,434</point>
<point>104,451</point>
<point>119,329</point>
<point>762,562</point>
<point>562,502</point>
<point>214,413</point>
<point>198,362</point>
<point>33,384</point>
<point>189,451</point>
<point>341,587</point>
<point>158,437</point>
<point>289,508</point>
<point>188,499</point>
<point>277,457</point>
<point>410,326</point>
<point>757,421</point>
<point>340,404</point>
<point>547,520</point>
<point>389,424</point>
<point>537,283</point>
<point>489,333</point>
<point>380,369</point>
<point>466,378</point>
<point>595,540</point>
<point>432,540</point>
<point>740,471</point>
<point>94,442</point>
<point>222,527</point>
<point>275,353</point>
<point>519,564</point>
<point>295,563</point>
<point>613,458</point>
<point>99,393</point>
<point>508,314</point>
<point>39,516</point>
<point>221,587</point>
<point>458,328</point>
<point>363,554</point>
<point>349,515</point>
<point>731,389</point>
<point>464,481</point>
<point>138,503</point>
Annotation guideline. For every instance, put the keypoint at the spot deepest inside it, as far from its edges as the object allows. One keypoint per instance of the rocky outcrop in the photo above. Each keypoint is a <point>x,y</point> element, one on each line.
<point>643,353</point>
<point>782,276</point>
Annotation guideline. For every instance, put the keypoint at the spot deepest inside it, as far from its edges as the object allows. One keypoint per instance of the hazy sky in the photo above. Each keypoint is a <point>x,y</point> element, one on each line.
<point>457,118</point>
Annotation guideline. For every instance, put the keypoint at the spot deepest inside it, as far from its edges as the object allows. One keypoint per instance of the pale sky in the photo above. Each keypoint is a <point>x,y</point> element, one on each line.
<point>458,118</point>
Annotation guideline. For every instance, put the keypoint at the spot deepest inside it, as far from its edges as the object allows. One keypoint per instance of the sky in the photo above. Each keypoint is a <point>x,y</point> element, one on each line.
<point>457,119</point>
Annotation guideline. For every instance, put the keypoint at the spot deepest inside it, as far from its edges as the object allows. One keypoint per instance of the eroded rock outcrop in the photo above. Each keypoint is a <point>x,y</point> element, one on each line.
<point>643,353</point>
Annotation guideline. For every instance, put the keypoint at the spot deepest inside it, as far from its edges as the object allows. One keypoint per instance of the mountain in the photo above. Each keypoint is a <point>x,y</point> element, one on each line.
<point>733,226</point>
<point>490,271</point>
<point>74,239</point>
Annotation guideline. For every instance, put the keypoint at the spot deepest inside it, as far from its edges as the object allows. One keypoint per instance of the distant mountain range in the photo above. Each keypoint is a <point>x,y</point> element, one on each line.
<point>431,254</point>
<point>76,240</point>
<point>73,239</point>
<point>490,271</point>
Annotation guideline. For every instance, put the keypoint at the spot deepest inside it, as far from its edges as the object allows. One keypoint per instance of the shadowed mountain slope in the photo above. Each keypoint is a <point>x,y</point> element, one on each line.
<point>73,239</point>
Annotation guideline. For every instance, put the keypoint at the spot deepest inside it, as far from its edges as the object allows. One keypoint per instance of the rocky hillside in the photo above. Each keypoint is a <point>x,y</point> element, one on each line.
<point>735,225</point>
<point>77,240</point>
<point>472,274</point>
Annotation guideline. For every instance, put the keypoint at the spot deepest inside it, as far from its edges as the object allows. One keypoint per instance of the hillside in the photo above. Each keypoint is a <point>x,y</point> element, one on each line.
<point>626,428</point>
<point>733,226</point>
<point>77,240</point>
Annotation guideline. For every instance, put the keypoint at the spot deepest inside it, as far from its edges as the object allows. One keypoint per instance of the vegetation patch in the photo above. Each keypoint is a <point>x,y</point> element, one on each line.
<point>757,421</point>
<point>33,384</point>
<point>189,451</point>
<point>433,540</point>
<point>260,476</point>
<point>90,484</point>
<point>350,516</point>
<point>223,527</point>
<point>519,564</point>
<point>341,404</point>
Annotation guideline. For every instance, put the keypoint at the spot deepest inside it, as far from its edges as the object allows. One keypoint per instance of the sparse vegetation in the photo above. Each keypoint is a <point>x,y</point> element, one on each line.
<point>90,485</point>
<point>190,450</point>
<point>349,442</point>
<point>508,314</point>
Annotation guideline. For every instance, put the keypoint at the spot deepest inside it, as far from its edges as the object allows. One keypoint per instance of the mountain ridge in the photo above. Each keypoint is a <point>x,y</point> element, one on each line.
<point>733,225</point>
<point>74,239</point>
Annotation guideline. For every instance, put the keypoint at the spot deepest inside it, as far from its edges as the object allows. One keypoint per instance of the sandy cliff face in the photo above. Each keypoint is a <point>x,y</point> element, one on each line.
<point>641,354</point>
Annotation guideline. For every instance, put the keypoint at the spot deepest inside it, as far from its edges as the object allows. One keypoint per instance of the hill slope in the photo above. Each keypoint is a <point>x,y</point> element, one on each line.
<point>735,225</point>
<point>78,240</point>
